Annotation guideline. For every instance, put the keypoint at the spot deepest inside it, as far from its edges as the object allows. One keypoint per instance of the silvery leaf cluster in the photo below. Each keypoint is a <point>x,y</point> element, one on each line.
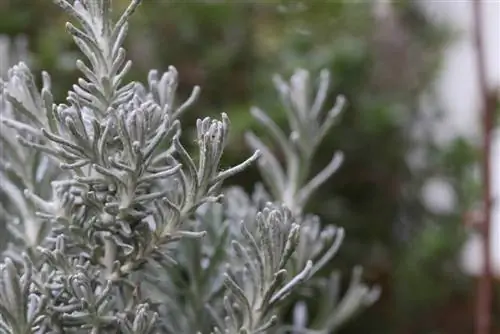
<point>118,228</point>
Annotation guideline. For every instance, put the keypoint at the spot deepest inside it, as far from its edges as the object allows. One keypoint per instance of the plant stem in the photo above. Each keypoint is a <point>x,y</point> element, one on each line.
<point>484,288</point>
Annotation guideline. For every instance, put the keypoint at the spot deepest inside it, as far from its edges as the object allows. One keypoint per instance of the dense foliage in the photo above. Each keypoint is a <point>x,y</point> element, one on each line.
<point>381,62</point>
<point>118,228</point>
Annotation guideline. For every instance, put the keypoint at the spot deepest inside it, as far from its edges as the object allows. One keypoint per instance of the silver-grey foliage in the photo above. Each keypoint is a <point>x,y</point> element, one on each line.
<point>119,229</point>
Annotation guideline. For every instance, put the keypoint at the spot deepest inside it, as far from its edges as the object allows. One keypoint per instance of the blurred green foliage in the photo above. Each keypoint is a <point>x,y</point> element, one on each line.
<point>381,63</point>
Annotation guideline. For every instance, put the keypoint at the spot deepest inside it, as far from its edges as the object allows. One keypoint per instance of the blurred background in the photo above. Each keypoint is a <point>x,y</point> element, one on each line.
<point>411,133</point>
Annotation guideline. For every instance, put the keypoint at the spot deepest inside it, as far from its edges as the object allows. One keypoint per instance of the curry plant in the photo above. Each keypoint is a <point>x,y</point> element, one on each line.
<point>118,228</point>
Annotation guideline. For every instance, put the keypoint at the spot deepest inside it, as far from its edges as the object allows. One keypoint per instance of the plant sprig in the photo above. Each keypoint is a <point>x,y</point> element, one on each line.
<point>119,228</point>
